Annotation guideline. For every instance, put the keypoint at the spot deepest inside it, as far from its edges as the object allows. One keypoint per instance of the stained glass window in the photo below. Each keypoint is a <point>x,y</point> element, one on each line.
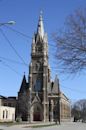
<point>38,85</point>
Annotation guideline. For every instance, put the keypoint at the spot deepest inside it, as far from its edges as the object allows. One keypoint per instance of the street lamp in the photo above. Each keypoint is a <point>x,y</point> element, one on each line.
<point>8,23</point>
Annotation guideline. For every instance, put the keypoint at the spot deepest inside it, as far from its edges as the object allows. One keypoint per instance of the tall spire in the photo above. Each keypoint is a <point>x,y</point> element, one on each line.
<point>40,28</point>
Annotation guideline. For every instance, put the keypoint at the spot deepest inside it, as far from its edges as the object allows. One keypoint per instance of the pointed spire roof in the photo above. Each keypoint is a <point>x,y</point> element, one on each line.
<point>40,28</point>
<point>56,88</point>
<point>23,84</point>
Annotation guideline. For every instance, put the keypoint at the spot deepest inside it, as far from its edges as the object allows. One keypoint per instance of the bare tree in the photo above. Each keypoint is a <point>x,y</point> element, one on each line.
<point>79,110</point>
<point>76,113</point>
<point>71,43</point>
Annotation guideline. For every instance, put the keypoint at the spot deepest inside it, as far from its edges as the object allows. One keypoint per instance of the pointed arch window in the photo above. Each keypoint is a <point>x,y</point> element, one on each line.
<point>6,114</point>
<point>3,114</point>
<point>38,85</point>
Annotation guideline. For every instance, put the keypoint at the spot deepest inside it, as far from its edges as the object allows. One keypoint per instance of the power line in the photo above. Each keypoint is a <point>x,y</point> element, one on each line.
<point>51,45</point>
<point>23,34</point>
<point>18,32</point>
<point>12,61</point>
<point>75,90</point>
<point>6,65</point>
<point>8,41</point>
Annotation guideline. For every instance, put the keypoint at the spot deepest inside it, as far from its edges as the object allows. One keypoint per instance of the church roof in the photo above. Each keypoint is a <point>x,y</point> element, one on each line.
<point>23,84</point>
<point>55,86</point>
<point>64,96</point>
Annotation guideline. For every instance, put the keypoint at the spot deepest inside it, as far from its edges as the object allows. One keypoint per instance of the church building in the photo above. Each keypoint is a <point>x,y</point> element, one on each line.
<point>39,98</point>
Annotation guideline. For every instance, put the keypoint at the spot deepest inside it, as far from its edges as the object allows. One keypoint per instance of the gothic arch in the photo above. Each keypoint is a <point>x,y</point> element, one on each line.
<point>5,114</point>
<point>37,112</point>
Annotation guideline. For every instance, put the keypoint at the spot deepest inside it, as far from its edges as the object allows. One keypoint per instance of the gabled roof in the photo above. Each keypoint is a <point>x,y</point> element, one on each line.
<point>64,96</point>
<point>2,97</point>
<point>36,99</point>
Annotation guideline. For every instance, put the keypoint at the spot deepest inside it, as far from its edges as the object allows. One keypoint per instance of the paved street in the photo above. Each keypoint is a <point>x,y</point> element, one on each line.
<point>63,126</point>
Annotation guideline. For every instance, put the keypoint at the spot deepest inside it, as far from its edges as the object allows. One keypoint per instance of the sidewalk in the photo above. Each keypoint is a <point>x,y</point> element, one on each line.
<point>63,126</point>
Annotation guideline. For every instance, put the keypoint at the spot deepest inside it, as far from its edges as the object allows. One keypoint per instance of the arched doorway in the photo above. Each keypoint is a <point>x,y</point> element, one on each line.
<point>37,113</point>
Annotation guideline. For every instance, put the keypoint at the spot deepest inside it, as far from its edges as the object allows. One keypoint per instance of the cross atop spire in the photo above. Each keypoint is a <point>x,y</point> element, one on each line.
<point>40,28</point>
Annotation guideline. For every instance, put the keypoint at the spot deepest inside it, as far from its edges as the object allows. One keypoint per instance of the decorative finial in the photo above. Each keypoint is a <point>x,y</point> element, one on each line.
<point>40,16</point>
<point>41,12</point>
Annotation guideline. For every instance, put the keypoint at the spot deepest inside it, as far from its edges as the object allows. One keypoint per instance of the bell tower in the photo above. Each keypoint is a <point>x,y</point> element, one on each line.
<point>39,98</point>
<point>39,76</point>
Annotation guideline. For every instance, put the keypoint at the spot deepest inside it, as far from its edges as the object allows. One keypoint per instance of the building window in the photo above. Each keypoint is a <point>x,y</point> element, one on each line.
<point>9,104</point>
<point>6,114</point>
<point>3,114</point>
<point>38,85</point>
<point>5,104</point>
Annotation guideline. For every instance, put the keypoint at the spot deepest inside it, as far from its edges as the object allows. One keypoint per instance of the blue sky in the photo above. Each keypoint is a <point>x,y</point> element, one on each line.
<point>26,14</point>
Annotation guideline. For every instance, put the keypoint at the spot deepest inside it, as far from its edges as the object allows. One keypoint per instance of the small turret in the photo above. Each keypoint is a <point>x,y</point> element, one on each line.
<point>23,84</point>
<point>55,87</point>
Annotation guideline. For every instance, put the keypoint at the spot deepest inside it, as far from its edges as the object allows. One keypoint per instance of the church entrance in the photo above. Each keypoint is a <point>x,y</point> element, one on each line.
<point>37,114</point>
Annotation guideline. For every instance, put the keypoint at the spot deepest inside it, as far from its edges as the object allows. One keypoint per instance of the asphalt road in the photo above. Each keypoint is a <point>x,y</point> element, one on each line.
<point>63,126</point>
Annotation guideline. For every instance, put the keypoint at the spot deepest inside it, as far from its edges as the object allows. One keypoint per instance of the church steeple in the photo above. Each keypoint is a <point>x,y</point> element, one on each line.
<point>40,28</point>
<point>39,99</point>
